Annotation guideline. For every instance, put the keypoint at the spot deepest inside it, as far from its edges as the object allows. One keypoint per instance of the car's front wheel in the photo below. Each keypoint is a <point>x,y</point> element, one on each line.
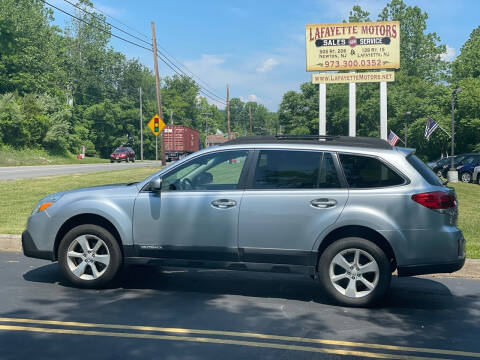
<point>89,256</point>
<point>354,272</point>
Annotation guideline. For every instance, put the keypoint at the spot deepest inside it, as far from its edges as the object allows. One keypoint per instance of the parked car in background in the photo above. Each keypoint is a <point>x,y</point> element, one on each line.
<point>441,164</point>
<point>467,166</point>
<point>476,175</point>
<point>457,161</point>
<point>346,211</point>
<point>123,153</point>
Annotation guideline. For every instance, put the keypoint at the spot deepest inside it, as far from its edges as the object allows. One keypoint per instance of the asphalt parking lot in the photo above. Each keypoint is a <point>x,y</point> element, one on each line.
<point>208,314</point>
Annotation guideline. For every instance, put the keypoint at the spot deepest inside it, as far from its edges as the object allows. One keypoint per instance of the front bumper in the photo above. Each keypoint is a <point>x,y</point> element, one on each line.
<point>30,249</point>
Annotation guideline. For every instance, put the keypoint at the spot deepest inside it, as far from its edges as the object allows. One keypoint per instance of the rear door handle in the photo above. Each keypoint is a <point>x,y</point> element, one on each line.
<point>223,203</point>
<point>323,203</point>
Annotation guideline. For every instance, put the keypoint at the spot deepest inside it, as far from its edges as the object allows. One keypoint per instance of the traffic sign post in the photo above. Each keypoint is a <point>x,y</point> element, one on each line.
<point>156,125</point>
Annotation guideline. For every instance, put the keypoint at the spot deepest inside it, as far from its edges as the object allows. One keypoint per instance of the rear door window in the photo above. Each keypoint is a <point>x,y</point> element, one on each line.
<point>363,172</point>
<point>290,169</point>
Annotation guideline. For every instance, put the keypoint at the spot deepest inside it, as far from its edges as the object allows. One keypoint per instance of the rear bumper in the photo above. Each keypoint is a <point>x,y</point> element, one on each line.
<point>448,267</point>
<point>30,249</point>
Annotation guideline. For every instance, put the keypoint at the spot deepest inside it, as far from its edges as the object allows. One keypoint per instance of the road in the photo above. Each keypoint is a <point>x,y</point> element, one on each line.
<point>215,314</point>
<point>22,172</point>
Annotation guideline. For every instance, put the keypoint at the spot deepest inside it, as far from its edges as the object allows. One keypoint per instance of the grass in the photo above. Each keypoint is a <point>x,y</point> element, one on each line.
<point>469,220</point>
<point>15,157</point>
<point>18,197</point>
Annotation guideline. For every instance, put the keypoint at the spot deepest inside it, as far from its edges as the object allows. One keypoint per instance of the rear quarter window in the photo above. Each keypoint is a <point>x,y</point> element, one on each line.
<point>424,170</point>
<point>364,172</point>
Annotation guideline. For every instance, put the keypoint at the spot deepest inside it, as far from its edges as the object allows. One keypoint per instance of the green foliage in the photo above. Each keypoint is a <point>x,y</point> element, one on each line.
<point>467,63</point>
<point>417,89</point>
<point>420,51</point>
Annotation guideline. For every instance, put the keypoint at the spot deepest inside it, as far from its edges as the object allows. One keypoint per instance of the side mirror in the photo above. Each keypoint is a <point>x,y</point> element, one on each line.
<point>156,184</point>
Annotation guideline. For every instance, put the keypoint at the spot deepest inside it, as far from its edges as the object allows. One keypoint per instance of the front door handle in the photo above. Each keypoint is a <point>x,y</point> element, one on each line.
<point>223,203</point>
<point>323,203</point>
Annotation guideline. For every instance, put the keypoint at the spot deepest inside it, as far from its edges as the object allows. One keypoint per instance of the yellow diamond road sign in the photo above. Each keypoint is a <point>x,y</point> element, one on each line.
<point>156,124</point>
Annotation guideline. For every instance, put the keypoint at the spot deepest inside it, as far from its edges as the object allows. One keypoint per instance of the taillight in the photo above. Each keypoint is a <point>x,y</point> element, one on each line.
<point>436,200</point>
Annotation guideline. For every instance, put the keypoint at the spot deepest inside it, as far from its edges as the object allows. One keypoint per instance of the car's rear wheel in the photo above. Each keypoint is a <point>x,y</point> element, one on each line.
<point>354,272</point>
<point>89,256</point>
<point>466,177</point>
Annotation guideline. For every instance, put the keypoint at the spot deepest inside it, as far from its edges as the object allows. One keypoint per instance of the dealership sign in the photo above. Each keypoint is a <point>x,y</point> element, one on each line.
<point>357,77</point>
<point>353,46</point>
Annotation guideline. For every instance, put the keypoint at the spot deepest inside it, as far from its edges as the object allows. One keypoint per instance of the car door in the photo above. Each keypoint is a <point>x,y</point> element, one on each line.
<point>291,198</point>
<point>195,216</point>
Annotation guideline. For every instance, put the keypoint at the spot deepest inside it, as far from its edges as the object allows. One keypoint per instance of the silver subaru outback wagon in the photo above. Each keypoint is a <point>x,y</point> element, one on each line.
<point>347,211</point>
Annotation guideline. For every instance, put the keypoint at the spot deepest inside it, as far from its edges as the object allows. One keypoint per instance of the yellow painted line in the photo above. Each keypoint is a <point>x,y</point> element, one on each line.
<point>243,334</point>
<point>362,354</point>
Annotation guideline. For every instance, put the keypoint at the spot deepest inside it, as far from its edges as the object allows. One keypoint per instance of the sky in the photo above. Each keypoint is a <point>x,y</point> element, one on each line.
<point>257,47</point>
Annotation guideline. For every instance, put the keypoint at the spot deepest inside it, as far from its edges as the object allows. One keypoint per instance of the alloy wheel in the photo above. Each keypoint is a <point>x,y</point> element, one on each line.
<point>88,257</point>
<point>466,177</point>
<point>354,273</point>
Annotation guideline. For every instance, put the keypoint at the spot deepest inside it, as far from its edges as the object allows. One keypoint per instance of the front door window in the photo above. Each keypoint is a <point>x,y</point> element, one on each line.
<point>217,171</point>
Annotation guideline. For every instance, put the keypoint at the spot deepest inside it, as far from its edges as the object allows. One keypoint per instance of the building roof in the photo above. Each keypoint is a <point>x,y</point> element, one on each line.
<point>359,141</point>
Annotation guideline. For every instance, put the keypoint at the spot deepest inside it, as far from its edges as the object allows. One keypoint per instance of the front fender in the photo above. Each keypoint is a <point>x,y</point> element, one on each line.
<point>119,213</point>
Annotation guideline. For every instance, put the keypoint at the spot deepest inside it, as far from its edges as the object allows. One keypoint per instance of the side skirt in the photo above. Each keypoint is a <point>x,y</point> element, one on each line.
<point>237,266</point>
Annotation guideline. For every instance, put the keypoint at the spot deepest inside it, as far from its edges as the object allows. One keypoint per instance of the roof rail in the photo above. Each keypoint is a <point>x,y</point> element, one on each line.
<point>306,137</point>
<point>358,141</point>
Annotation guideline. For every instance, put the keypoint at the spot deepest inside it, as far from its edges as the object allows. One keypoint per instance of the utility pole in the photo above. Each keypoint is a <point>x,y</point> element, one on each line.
<point>407,114</point>
<point>141,125</point>
<point>159,95</point>
<point>228,112</point>
<point>250,115</point>
<point>453,174</point>
<point>171,117</point>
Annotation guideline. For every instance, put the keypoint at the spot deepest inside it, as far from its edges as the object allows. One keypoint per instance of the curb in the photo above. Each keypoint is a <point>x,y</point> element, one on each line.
<point>10,242</point>
<point>471,269</point>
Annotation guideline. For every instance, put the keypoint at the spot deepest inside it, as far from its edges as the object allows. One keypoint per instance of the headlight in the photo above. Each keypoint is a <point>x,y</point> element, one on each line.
<point>46,202</point>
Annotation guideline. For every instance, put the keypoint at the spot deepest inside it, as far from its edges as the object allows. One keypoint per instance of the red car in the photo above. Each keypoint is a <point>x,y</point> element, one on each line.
<point>123,153</point>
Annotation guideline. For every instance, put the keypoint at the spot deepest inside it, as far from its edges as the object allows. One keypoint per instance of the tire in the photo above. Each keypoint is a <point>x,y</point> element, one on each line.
<point>111,161</point>
<point>358,294</point>
<point>126,160</point>
<point>75,241</point>
<point>133,159</point>
<point>466,177</point>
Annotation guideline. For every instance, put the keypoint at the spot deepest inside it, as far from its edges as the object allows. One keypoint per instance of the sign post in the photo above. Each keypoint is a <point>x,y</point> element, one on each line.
<point>352,109</point>
<point>322,105</point>
<point>156,125</point>
<point>351,47</point>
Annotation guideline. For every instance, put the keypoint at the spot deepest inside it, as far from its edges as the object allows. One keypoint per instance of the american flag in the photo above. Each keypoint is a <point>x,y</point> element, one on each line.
<point>392,138</point>
<point>430,127</point>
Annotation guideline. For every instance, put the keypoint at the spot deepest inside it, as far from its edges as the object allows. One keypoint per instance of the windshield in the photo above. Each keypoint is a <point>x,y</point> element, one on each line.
<point>120,151</point>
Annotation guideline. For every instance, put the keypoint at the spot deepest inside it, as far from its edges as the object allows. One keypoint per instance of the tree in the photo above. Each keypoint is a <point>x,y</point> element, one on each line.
<point>420,51</point>
<point>357,14</point>
<point>28,63</point>
<point>467,63</point>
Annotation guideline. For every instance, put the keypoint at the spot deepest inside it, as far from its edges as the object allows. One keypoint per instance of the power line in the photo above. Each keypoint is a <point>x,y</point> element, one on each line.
<point>135,44</point>
<point>99,28</point>
<point>99,18</point>
<point>120,22</point>
<point>206,85</point>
